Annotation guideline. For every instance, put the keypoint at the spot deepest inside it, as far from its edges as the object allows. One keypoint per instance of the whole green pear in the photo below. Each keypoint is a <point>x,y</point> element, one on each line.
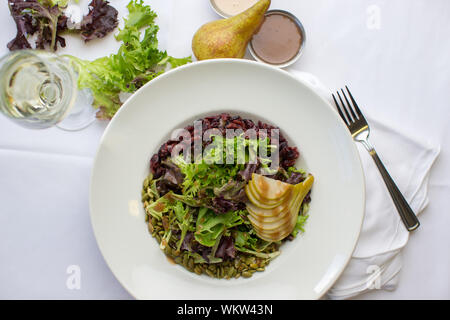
<point>228,38</point>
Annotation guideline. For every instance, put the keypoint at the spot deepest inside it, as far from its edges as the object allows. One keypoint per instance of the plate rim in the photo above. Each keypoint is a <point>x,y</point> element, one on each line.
<point>237,61</point>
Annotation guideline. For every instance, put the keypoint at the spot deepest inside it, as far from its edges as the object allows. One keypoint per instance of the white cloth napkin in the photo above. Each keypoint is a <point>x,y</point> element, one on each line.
<point>376,261</point>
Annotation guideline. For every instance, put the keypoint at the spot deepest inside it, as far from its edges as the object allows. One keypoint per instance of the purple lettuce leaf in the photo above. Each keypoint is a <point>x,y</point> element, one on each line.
<point>249,169</point>
<point>295,178</point>
<point>232,190</point>
<point>221,205</point>
<point>48,22</point>
<point>32,17</point>
<point>226,248</point>
<point>101,20</point>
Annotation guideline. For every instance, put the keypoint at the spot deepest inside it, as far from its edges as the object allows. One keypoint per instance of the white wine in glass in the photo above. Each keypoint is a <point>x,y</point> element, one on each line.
<point>38,90</point>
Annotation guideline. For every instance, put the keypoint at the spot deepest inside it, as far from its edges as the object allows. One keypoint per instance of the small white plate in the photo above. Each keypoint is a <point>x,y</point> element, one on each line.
<point>307,266</point>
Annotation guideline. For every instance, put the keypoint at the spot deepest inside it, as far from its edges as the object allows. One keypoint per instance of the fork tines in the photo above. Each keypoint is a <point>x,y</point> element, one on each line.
<point>349,112</point>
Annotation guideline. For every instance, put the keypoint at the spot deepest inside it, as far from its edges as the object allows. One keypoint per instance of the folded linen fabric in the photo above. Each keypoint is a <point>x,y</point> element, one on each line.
<point>376,261</point>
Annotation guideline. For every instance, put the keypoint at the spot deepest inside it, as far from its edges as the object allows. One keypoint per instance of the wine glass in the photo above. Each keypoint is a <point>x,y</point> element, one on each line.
<point>38,90</point>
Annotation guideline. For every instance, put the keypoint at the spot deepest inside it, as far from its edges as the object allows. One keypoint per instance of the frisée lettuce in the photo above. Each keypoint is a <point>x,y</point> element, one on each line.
<point>137,62</point>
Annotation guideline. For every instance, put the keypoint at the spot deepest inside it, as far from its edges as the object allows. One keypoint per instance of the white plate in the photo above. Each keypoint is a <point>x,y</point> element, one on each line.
<point>308,266</point>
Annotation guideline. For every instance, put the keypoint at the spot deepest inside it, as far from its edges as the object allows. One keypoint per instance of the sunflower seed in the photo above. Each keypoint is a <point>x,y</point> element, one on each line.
<point>247,274</point>
<point>191,263</point>
<point>210,273</point>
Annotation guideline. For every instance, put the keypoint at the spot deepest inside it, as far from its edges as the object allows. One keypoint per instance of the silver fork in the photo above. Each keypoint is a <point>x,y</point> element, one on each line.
<point>360,131</point>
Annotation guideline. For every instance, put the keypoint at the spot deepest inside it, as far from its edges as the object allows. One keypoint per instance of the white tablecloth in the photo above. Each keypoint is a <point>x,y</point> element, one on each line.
<point>392,54</point>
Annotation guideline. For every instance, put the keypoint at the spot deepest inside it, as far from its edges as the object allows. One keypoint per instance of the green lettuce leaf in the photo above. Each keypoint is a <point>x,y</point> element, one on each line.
<point>184,218</point>
<point>137,62</point>
<point>212,172</point>
<point>244,239</point>
<point>210,225</point>
<point>259,254</point>
<point>52,3</point>
<point>139,16</point>
<point>301,220</point>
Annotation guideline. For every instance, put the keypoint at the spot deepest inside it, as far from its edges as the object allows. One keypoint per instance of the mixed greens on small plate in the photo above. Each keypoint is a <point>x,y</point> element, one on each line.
<point>111,79</point>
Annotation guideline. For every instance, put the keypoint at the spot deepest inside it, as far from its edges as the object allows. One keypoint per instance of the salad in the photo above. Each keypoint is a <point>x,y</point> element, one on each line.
<point>226,211</point>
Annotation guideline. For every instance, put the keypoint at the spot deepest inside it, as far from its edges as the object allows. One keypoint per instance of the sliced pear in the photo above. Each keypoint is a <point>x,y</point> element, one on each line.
<point>255,198</point>
<point>264,216</point>
<point>267,224</point>
<point>276,223</point>
<point>277,218</point>
<point>277,211</point>
<point>270,219</point>
<point>259,199</point>
<point>262,196</point>
<point>306,186</point>
<point>270,189</point>
<point>269,227</point>
<point>279,234</point>
<point>286,229</point>
<point>266,238</point>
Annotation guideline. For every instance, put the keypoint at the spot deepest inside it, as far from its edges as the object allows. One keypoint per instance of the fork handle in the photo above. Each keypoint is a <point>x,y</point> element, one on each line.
<point>407,215</point>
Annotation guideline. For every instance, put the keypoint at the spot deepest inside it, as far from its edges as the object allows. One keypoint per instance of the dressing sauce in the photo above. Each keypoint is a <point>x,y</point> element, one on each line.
<point>170,259</point>
<point>278,40</point>
<point>233,7</point>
